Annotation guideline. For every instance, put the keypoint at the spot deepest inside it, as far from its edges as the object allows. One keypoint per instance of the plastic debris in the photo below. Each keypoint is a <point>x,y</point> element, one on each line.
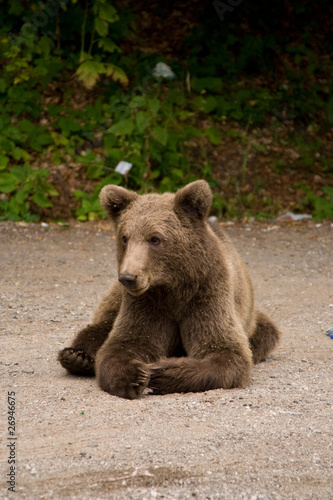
<point>294,217</point>
<point>330,332</point>
<point>123,167</point>
<point>162,70</point>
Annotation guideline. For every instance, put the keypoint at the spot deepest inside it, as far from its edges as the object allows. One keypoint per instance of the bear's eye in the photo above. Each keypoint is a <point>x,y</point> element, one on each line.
<point>125,239</point>
<point>154,240</point>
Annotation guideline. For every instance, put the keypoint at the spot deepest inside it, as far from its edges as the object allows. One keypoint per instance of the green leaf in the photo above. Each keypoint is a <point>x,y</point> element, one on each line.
<point>94,171</point>
<point>117,74</point>
<point>237,114</point>
<point>40,198</point>
<point>161,135</point>
<point>19,153</point>
<point>184,114</point>
<point>22,173</point>
<point>89,157</point>
<point>210,104</point>
<point>51,190</point>
<point>8,182</point>
<point>329,191</point>
<point>259,147</point>
<point>200,102</point>
<point>142,121</point>
<point>108,45</point>
<point>3,161</point>
<point>108,13</point>
<point>123,127</point>
<point>88,72</point>
<point>15,206</point>
<point>101,26</point>
<point>154,105</point>
<point>190,131</point>
<point>166,185</point>
<point>113,178</point>
<point>137,101</point>
<point>15,8</point>
<point>177,174</point>
<point>116,153</point>
<point>27,126</point>
<point>41,140</point>
<point>109,141</point>
<point>45,44</point>
<point>14,133</point>
<point>214,135</point>
<point>3,85</point>
<point>21,196</point>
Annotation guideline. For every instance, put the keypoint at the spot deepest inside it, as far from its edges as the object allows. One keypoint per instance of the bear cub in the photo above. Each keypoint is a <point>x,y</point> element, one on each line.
<point>181,316</point>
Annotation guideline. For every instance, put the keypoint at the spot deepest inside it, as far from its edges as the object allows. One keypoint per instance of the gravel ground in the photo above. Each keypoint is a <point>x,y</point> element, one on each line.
<point>272,440</point>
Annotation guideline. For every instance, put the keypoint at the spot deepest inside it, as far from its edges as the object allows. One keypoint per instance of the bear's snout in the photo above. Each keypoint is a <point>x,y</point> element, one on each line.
<point>135,285</point>
<point>128,280</point>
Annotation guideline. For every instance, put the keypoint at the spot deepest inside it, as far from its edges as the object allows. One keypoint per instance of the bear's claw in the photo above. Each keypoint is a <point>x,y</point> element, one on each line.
<point>143,377</point>
<point>141,382</point>
<point>77,361</point>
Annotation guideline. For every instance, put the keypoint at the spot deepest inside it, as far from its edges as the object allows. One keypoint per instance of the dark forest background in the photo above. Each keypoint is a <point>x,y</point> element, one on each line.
<point>246,103</point>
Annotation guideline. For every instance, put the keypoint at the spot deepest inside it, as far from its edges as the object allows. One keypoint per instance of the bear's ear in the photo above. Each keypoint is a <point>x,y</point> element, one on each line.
<point>194,199</point>
<point>114,199</point>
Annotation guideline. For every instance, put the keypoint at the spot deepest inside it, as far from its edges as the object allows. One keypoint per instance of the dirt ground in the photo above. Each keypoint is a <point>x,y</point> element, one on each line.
<point>272,440</point>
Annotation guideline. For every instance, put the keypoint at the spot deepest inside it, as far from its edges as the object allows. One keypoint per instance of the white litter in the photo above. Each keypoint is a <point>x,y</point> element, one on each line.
<point>295,217</point>
<point>123,167</point>
<point>162,70</point>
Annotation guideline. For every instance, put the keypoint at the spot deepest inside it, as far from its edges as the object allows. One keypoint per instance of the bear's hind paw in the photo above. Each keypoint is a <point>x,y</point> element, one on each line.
<point>77,361</point>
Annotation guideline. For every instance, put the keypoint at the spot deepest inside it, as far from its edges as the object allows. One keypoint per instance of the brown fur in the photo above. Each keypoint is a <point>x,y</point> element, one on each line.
<point>182,319</point>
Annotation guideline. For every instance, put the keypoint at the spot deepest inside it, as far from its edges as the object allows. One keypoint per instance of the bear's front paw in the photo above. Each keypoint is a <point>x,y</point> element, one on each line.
<point>77,361</point>
<point>141,381</point>
<point>165,376</point>
<point>124,379</point>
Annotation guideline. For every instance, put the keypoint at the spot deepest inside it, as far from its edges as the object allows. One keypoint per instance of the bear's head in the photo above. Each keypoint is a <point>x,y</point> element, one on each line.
<point>160,238</point>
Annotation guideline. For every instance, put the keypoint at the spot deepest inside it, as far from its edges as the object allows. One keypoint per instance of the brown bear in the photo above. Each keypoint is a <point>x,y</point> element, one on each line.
<point>180,318</point>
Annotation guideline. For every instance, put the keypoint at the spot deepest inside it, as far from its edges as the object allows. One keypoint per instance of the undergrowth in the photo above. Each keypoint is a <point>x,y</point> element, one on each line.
<point>161,127</point>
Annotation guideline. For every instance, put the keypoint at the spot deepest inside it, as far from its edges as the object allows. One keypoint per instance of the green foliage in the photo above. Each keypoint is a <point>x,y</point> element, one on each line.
<point>163,129</point>
<point>22,190</point>
<point>153,137</point>
<point>90,208</point>
<point>322,206</point>
<point>92,66</point>
<point>31,61</point>
<point>149,131</point>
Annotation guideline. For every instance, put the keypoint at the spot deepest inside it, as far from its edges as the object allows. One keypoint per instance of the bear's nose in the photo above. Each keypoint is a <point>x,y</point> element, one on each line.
<point>128,280</point>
